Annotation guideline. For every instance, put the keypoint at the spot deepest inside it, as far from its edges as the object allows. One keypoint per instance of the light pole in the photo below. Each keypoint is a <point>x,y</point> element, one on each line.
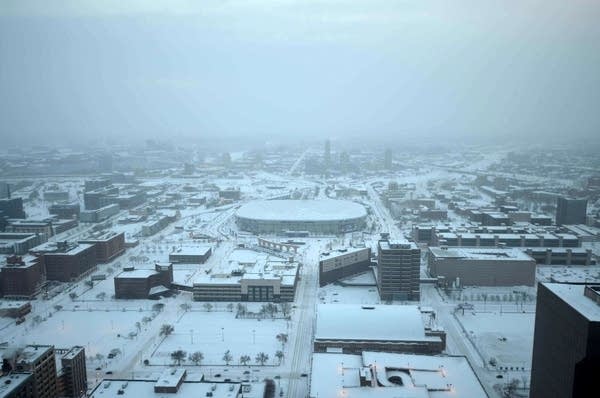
<point>253,336</point>
<point>191,336</point>
<point>222,334</point>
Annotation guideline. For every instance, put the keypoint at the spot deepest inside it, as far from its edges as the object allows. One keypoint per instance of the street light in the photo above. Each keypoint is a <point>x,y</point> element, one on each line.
<point>222,334</point>
<point>192,336</point>
<point>253,336</point>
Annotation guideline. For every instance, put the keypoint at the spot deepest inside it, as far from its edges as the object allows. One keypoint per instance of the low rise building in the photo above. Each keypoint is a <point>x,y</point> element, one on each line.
<point>352,329</point>
<point>190,254</point>
<point>108,245</point>
<point>247,275</point>
<point>21,277</point>
<point>101,214</point>
<point>143,283</point>
<point>344,262</point>
<point>66,262</point>
<point>19,243</point>
<point>482,266</point>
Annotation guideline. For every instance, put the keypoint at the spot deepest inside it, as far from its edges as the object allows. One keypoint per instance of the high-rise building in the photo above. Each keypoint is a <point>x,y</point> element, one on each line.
<point>4,190</point>
<point>327,155</point>
<point>566,345</point>
<point>398,270</point>
<point>39,360</point>
<point>12,208</point>
<point>73,373</point>
<point>570,211</point>
<point>387,162</point>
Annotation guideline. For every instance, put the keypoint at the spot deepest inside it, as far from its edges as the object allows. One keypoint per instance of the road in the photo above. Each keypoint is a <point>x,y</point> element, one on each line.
<point>306,300</point>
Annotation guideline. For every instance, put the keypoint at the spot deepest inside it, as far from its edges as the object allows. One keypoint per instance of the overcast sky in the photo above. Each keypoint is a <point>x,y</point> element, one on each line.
<point>388,68</point>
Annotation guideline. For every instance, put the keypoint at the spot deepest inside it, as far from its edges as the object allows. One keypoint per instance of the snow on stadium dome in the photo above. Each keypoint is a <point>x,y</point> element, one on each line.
<point>325,216</point>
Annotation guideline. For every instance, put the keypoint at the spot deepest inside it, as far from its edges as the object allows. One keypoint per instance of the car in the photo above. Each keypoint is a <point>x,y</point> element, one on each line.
<point>217,374</point>
<point>246,372</point>
<point>226,380</point>
<point>499,377</point>
<point>98,368</point>
<point>303,375</point>
<point>109,372</point>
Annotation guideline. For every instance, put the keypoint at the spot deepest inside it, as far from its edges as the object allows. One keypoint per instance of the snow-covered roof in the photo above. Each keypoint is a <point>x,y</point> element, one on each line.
<point>423,376</point>
<point>145,388</point>
<point>573,295</point>
<point>478,254</point>
<point>373,322</point>
<point>301,210</point>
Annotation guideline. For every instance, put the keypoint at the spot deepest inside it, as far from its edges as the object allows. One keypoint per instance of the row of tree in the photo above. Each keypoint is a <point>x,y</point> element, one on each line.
<point>197,357</point>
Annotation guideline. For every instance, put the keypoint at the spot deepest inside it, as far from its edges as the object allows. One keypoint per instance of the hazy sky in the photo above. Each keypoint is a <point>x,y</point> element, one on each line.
<point>441,68</point>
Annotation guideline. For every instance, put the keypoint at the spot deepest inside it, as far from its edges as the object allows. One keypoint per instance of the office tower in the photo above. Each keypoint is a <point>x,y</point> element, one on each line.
<point>566,345</point>
<point>387,163</point>
<point>398,269</point>
<point>327,155</point>
<point>39,360</point>
<point>570,211</point>
<point>73,373</point>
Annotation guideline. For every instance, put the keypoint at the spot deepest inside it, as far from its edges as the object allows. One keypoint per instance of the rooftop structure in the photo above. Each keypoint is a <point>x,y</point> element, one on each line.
<point>388,375</point>
<point>188,389</point>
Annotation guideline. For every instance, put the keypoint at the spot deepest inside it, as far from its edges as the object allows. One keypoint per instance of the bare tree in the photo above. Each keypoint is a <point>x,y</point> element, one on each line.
<point>261,358</point>
<point>178,356</point>
<point>207,306</point>
<point>185,307</point>
<point>227,357</point>
<point>279,355</point>
<point>245,359</point>
<point>196,357</point>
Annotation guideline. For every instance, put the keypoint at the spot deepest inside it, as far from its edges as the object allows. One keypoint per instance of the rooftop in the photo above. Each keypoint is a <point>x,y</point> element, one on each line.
<point>301,210</point>
<point>398,375</point>
<point>188,389</point>
<point>373,322</point>
<point>478,254</point>
<point>574,296</point>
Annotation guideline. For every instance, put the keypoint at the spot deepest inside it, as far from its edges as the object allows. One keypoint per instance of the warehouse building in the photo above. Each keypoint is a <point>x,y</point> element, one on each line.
<point>352,329</point>
<point>482,266</point>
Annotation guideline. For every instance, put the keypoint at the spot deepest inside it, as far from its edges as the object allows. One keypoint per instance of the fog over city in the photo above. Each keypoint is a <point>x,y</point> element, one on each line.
<point>272,68</point>
<point>299,199</point>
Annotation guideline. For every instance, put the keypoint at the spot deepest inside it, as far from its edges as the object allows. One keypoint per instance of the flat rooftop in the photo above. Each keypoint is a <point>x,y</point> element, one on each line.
<point>301,210</point>
<point>188,389</point>
<point>340,252</point>
<point>478,254</point>
<point>137,273</point>
<point>191,251</point>
<point>421,376</point>
<point>397,244</point>
<point>573,295</point>
<point>242,264</point>
<point>370,322</point>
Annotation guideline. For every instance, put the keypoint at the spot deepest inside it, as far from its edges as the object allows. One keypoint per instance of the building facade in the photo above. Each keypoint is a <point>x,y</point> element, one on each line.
<point>398,270</point>
<point>570,211</point>
<point>342,263</point>
<point>566,345</point>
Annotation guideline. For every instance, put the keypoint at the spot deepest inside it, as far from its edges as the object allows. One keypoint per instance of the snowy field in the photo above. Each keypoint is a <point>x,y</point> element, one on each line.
<point>488,331</point>
<point>64,330</point>
<point>213,333</point>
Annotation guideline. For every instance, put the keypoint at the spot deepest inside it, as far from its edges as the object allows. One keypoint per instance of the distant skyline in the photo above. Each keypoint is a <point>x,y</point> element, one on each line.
<point>380,70</point>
